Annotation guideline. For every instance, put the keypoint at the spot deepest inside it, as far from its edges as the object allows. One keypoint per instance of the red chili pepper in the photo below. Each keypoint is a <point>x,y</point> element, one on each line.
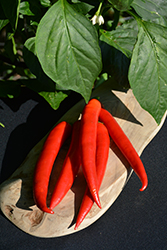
<point>124,144</point>
<point>88,135</point>
<point>102,151</point>
<point>70,168</point>
<point>44,165</point>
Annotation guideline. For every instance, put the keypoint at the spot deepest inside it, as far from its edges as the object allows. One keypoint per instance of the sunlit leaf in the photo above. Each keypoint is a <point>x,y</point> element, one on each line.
<point>67,48</point>
<point>148,74</point>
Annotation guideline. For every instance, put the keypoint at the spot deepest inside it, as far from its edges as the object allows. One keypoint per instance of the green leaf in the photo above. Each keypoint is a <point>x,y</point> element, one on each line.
<point>67,48</point>
<point>25,9</point>
<point>147,73</point>
<point>3,23</point>
<point>154,10</point>
<point>33,64</point>
<point>11,10</point>
<point>30,58</point>
<point>53,98</point>
<point>122,5</point>
<point>82,7</point>
<point>44,86</point>
<point>123,38</point>
<point>45,3</point>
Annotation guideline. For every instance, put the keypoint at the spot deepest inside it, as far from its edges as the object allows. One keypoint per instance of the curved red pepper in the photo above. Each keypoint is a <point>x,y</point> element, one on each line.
<point>88,135</point>
<point>102,151</point>
<point>45,162</point>
<point>124,144</point>
<point>69,170</point>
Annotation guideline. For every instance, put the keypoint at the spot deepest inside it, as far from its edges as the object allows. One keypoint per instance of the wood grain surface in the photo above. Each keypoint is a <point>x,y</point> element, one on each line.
<point>16,198</point>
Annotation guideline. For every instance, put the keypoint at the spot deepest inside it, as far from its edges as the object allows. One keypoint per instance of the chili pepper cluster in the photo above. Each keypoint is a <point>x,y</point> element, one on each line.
<point>89,149</point>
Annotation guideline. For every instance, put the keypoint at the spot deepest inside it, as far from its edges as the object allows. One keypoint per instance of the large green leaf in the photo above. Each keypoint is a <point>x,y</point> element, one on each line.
<point>82,7</point>
<point>152,10</point>
<point>11,10</point>
<point>67,48</point>
<point>43,85</point>
<point>123,38</point>
<point>121,4</point>
<point>147,73</point>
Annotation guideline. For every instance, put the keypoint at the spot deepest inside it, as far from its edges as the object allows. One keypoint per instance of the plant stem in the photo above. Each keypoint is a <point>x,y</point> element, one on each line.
<point>138,19</point>
<point>99,9</point>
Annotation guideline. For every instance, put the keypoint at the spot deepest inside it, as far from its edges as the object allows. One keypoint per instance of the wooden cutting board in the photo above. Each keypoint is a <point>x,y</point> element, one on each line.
<point>16,199</point>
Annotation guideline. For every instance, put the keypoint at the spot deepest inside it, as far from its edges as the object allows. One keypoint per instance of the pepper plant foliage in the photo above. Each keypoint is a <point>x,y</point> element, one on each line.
<point>56,47</point>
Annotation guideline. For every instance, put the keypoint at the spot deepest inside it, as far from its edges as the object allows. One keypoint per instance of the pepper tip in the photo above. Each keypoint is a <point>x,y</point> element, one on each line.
<point>143,187</point>
<point>96,198</point>
<point>48,210</point>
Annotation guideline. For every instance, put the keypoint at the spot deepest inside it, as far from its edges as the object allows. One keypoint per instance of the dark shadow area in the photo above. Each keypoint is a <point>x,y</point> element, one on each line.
<point>119,154</point>
<point>26,94</point>
<point>25,136</point>
<point>26,199</point>
<point>124,113</point>
<point>115,64</point>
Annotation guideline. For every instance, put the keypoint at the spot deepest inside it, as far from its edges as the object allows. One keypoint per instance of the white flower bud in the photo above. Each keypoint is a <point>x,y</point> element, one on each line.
<point>100,20</point>
<point>97,19</point>
<point>94,19</point>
